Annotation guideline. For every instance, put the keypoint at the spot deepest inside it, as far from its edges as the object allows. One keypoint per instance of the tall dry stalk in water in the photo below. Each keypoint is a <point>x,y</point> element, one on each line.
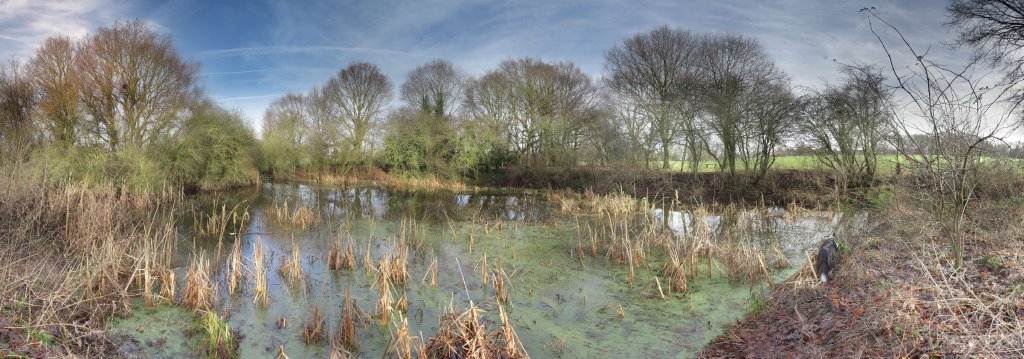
<point>291,267</point>
<point>260,293</point>
<point>235,266</point>
<point>199,292</point>
<point>313,331</point>
<point>345,336</point>
<point>338,259</point>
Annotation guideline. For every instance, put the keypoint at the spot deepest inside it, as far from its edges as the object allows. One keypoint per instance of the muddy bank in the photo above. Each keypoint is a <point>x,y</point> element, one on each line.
<point>807,188</point>
<point>897,294</point>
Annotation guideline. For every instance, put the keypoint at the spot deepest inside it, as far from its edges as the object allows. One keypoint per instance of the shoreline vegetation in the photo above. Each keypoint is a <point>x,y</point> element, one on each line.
<point>94,169</point>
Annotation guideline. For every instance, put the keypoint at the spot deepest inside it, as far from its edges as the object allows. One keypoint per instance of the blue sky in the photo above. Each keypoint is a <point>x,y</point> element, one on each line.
<point>253,51</point>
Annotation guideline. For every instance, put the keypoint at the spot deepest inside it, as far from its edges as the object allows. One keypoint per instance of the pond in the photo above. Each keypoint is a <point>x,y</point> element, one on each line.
<point>560,303</point>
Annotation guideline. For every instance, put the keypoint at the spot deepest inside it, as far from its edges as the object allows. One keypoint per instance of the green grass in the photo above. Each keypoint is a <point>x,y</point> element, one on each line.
<point>886,164</point>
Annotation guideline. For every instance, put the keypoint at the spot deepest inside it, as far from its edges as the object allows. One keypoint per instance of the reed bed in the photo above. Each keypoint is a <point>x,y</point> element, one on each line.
<point>743,245</point>
<point>301,216</point>
<point>198,294</point>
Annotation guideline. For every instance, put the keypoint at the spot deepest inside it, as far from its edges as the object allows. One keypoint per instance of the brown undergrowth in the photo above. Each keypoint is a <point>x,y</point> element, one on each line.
<point>896,294</point>
<point>72,256</point>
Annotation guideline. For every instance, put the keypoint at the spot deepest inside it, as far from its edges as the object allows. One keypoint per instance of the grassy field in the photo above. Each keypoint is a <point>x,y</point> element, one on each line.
<point>886,164</point>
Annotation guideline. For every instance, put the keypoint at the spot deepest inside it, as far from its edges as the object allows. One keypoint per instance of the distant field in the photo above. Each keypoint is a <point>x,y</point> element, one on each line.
<point>886,164</point>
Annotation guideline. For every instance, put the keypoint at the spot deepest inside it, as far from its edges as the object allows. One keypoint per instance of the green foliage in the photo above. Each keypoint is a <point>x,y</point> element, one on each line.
<point>214,149</point>
<point>217,340</point>
<point>992,263</point>
<point>91,165</point>
<point>426,142</point>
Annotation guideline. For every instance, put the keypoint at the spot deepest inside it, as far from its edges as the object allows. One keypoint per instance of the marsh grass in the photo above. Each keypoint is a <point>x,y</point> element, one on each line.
<point>301,216</point>
<point>401,344</point>
<point>345,335</point>
<point>218,340</point>
<point>235,267</point>
<point>199,291</point>
<point>313,330</point>
<point>291,266</point>
<point>338,258</point>
<point>463,335</point>
<point>260,292</point>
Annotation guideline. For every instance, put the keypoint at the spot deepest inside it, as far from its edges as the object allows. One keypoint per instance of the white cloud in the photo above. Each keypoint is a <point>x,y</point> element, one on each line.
<point>26,23</point>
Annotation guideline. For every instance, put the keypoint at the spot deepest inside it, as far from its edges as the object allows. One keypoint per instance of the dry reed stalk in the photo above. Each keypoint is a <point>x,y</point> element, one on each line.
<point>368,267</point>
<point>675,271</point>
<point>345,336</point>
<point>401,343</point>
<point>291,267</point>
<point>313,331</point>
<point>198,293</point>
<point>235,266</point>
<point>501,290</point>
<point>338,259</point>
<point>167,285</point>
<point>260,294</point>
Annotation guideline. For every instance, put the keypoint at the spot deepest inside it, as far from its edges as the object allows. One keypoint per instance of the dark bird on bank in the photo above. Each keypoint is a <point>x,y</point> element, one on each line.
<point>828,256</point>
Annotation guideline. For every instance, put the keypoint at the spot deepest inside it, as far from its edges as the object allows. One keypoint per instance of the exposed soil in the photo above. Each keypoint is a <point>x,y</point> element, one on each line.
<point>894,295</point>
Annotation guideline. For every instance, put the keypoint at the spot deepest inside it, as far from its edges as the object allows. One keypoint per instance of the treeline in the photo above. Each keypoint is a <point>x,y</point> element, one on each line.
<point>667,96</point>
<point>120,105</point>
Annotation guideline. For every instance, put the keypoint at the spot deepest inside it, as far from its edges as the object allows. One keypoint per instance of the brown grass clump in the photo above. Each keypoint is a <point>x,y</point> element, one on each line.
<point>427,184</point>
<point>302,216</point>
<point>260,293</point>
<point>338,259</point>
<point>674,270</point>
<point>462,335</point>
<point>402,345</point>
<point>199,292</point>
<point>313,331</point>
<point>291,267</point>
<point>345,336</point>
<point>235,265</point>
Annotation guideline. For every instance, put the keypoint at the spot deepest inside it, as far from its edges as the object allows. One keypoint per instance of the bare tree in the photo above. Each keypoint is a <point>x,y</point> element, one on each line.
<point>134,84</point>
<point>540,110</point>
<point>770,116</point>
<point>735,69</point>
<point>57,85</point>
<point>357,96</point>
<point>995,29</point>
<point>16,103</point>
<point>324,130</point>
<point>286,117</point>
<point>947,121</point>
<point>846,124</point>
<point>654,72</point>
<point>437,86</point>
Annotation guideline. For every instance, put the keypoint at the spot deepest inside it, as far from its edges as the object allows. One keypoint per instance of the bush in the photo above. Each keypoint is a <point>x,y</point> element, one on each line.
<point>214,149</point>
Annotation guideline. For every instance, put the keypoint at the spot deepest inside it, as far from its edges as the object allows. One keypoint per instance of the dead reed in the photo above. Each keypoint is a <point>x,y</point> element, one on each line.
<point>337,258</point>
<point>235,267</point>
<point>313,331</point>
<point>260,293</point>
<point>199,291</point>
<point>345,336</point>
<point>462,335</point>
<point>291,267</point>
